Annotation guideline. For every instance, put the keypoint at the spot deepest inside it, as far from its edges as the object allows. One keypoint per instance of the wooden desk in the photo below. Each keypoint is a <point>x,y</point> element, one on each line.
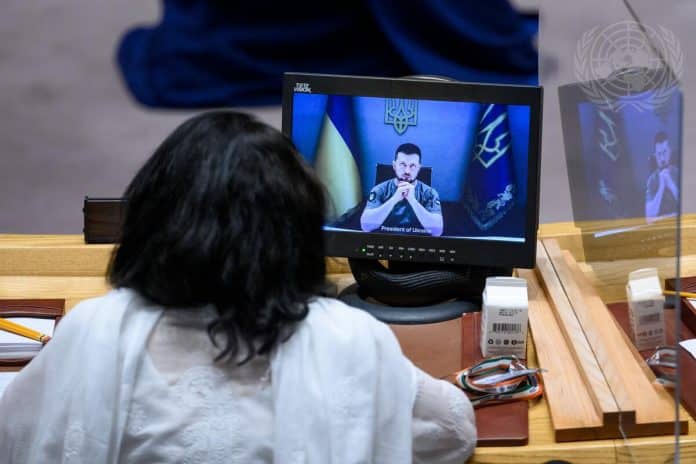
<point>45,266</point>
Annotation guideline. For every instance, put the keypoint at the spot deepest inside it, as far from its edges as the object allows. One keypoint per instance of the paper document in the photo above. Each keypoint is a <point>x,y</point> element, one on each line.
<point>690,346</point>
<point>16,346</point>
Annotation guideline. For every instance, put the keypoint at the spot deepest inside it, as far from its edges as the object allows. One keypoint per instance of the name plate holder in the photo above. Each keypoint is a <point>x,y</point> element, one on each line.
<point>590,358</point>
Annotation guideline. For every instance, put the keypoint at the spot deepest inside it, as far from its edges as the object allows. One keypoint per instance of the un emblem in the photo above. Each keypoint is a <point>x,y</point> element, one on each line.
<point>627,64</point>
<point>400,113</point>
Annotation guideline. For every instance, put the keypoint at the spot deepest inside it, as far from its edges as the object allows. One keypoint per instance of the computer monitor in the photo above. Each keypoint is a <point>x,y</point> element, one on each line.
<point>615,150</point>
<point>422,170</point>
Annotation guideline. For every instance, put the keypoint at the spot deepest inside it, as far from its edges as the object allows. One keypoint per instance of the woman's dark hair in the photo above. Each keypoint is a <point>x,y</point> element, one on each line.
<point>226,212</point>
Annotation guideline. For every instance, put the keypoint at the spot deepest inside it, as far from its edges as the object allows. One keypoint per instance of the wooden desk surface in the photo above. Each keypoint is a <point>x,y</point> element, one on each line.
<point>62,266</point>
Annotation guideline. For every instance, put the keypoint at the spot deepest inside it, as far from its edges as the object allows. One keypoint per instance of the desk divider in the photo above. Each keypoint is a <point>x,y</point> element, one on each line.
<point>597,385</point>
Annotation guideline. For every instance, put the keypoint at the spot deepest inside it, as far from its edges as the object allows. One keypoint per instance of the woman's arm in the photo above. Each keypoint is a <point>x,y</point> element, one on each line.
<point>444,428</point>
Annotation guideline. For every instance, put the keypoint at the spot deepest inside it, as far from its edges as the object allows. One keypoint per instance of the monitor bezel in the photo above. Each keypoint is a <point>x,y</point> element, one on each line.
<point>458,251</point>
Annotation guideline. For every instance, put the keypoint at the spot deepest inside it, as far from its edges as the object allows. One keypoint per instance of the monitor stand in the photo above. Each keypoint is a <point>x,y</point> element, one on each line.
<point>417,293</point>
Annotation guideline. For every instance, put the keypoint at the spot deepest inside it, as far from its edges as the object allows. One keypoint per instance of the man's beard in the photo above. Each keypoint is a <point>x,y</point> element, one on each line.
<point>410,180</point>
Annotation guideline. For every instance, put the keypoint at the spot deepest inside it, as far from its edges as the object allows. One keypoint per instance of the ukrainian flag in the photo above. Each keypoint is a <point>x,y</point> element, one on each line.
<point>491,190</point>
<point>335,159</point>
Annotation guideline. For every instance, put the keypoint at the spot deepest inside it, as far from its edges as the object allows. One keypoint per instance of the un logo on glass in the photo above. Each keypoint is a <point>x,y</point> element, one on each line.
<point>628,64</point>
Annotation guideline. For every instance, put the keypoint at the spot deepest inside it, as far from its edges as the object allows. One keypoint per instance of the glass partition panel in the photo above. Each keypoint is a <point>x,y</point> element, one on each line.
<point>615,163</point>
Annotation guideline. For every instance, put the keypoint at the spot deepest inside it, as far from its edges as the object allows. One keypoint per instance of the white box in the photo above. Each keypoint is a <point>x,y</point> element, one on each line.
<point>504,317</point>
<point>646,309</point>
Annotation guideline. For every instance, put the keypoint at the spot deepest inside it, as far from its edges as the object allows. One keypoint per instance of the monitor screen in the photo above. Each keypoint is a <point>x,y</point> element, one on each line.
<point>421,170</point>
<point>616,153</point>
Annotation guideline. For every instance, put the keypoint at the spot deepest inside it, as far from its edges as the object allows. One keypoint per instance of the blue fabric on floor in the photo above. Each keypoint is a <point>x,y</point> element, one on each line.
<point>208,53</point>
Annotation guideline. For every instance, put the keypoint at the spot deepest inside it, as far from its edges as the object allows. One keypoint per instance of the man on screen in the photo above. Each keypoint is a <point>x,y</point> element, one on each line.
<point>403,204</point>
<point>661,191</point>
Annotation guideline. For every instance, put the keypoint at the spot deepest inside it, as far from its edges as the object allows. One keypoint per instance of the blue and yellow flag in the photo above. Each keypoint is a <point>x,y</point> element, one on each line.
<point>335,161</point>
<point>490,190</point>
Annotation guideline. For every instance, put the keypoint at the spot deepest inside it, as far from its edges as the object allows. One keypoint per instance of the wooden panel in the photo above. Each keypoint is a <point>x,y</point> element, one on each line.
<point>52,256</point>
<point>40,241</point>
<point>563,379</point>
<point>627,238</point>
<point>581,305</point>
<point>576,453</point>
<point>578,345</point>
<point>69,255</point>
<point>568,236</point>
<point>632,389</point>
<point>71,289</point>
<point>609,277</point>
<point>640,241</point>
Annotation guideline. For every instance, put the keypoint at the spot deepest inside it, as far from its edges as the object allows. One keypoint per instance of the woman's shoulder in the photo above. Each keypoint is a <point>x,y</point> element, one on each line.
<point>104,306</point>
<point>333,314</point>
<point>338,309</point>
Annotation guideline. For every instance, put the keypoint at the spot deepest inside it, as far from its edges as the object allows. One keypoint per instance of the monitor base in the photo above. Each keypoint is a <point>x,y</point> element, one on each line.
<point>417,293</point>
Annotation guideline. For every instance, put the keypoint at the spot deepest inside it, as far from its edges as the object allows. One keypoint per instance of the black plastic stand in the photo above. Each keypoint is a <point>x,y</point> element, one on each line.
<point>417,293</point>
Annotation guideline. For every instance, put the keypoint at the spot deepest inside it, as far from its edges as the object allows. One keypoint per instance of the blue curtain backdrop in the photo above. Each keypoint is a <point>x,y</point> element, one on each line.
<point>206,53</point>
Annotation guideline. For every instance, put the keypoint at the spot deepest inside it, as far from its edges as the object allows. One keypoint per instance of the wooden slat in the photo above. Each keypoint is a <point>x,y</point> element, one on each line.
<point>601,352</point>
<point>568,236</point>
<point>609,277</point>
<point>69,255</point>
<point>72,289</point>
<point>639,241</point>
<point>570,327</point>
<point>598,452</point>
<point>65,255</point>
<point>632,389</point>
<point>562,379</point>
<point>570,261</point>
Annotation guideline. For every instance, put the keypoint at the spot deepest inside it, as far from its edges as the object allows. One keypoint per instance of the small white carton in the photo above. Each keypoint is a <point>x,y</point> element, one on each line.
<point>504,317</point>
<point>646,305</point>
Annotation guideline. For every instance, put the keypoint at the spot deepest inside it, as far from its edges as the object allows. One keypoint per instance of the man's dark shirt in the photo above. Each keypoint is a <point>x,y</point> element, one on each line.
<point>669,203</point>
<point>402,218</point>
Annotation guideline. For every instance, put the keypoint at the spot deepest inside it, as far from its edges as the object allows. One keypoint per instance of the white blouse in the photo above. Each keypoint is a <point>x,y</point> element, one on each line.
<point>186,408</point>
